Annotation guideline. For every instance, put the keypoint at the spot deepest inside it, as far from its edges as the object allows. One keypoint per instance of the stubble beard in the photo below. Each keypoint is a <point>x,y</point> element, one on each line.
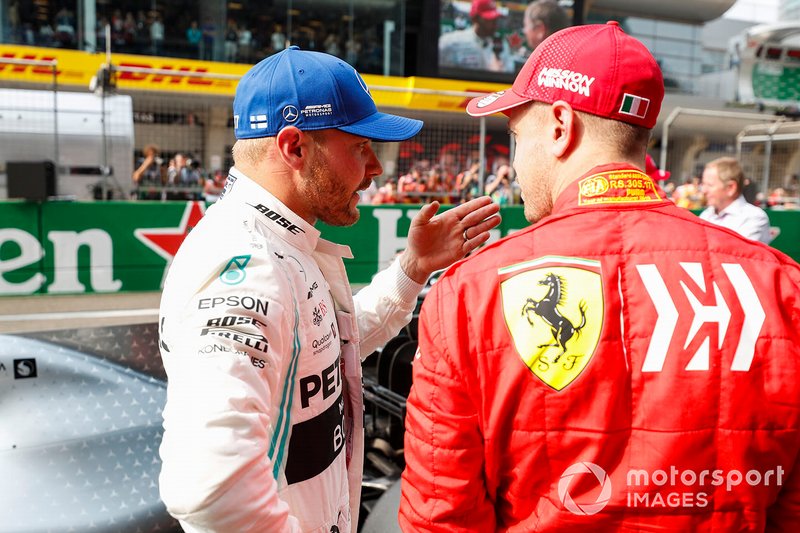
<point>327,197</point>
<point>537,193</point>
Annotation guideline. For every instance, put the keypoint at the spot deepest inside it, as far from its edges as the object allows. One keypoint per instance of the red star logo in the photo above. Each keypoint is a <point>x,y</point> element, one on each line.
<point>166,241</point>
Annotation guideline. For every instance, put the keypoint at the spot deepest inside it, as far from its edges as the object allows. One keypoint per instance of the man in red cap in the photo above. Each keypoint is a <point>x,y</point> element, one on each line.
<point>621,365</point>
<point>476,47</point>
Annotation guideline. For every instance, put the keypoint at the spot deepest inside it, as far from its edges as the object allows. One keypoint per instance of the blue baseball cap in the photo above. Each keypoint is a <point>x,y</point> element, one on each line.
<point>311,91</point>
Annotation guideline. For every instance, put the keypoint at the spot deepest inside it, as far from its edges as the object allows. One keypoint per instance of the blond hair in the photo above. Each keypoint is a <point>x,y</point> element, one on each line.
<point>251,151</point>
<point>729,170</point>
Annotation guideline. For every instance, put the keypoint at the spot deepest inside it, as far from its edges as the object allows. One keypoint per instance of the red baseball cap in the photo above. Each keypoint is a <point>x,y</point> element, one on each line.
<point>596,68</point>
<point>651,170</point>
<point>485,9</point>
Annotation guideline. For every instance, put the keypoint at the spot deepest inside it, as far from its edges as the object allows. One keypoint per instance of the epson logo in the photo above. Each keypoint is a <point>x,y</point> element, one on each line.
<point>278,218</point>
<point>245,302</point>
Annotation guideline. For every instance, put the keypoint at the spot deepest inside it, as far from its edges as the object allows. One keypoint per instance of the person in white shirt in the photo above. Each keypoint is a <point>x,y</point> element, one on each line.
<point>722,184</point>
<point>476,47</point>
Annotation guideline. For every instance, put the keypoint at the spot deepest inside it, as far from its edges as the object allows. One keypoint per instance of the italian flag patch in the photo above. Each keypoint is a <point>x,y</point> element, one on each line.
<point>634,105</point>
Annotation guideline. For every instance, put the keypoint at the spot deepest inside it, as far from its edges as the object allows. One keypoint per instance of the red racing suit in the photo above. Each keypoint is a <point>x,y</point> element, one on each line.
<point>621,365</point>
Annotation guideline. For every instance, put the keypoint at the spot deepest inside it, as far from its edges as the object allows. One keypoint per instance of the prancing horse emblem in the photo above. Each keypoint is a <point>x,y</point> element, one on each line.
<point>547,308</point>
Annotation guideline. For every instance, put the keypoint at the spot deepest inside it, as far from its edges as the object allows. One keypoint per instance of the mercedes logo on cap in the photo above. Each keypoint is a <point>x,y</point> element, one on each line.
<point>290,113</point>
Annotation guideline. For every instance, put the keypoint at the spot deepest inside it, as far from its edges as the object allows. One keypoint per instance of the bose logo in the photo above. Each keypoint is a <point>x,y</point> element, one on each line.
<point>280,219</point>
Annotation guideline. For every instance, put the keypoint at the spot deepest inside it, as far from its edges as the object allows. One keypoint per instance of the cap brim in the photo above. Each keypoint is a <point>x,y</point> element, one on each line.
<point>490,15</point>
<point>495,103</point>
<point>384,127</point>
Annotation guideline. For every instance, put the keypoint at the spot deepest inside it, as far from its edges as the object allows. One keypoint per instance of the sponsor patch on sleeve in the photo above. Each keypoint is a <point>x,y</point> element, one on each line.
<point>620,186</point>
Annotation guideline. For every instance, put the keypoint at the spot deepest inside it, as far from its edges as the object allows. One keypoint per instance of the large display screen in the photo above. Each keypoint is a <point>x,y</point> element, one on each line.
<point>490,40</point>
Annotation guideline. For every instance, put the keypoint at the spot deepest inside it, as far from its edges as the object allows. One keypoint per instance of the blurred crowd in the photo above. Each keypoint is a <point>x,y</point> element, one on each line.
<point>455,180</point>
<point>448,179</point>
<point>176,32</point>
<point>177,177</point>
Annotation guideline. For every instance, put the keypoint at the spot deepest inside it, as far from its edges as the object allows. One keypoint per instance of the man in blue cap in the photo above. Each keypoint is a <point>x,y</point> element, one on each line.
<point>261,336</point>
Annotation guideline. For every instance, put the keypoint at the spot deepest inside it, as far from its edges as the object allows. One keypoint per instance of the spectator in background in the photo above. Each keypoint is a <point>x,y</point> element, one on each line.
<point>46,35</point>
<point>143,42</point>
<point>65,28</point>
<point>14,21</point>
<point>209,35</point>
<point>129,30</point>
<point>118,29</point>
<point>278,39</point>
<point>148,174</point>
<point>435,186</point>
<point>245,44</point>
<point>722,185</point>
<point>331,45</point>
<point>410,182</point>
<point>476,47</point>
<point>499,186</point>
<point>468,182</point>
<point>387,194</point>
<point>179,173</point>
<point>352,50</point>
<point>366,196</point>
<point>194,36</point>
<point>231,42</point>
<point>156,35</point>
<point>689,195</point>
<point>542,19</point>
<point>213,186</point>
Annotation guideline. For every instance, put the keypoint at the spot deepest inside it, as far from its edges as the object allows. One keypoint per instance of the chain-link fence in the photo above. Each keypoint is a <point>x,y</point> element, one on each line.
<point>454,155</point>
<point>60,143</point>
<point>770,156</point>
<point>767,146</point>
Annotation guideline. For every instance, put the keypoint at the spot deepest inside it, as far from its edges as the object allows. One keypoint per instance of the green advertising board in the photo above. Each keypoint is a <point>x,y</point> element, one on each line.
<point>108,247</point>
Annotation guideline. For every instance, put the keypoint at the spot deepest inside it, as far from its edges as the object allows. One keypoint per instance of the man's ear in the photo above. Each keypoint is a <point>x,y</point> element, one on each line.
<point>732,189</point>
<point>293,147</point>
<point>561,127</point>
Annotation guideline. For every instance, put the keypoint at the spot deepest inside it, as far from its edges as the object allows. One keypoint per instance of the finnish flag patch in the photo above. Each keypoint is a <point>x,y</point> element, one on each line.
<point>258,122</point>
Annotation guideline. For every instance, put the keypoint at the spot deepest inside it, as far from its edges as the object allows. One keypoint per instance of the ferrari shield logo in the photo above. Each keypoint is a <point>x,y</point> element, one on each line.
<point>553,308</point>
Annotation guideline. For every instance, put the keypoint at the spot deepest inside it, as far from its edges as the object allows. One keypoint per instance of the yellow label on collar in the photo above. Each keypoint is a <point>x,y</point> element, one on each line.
<point>618,186</point>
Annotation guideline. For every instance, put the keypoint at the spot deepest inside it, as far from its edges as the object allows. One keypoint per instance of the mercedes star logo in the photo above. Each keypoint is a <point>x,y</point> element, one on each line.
<point>290,113</point>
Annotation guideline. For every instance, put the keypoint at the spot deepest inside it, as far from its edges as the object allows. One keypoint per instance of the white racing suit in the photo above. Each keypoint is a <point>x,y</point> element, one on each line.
<point>261,340</point>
